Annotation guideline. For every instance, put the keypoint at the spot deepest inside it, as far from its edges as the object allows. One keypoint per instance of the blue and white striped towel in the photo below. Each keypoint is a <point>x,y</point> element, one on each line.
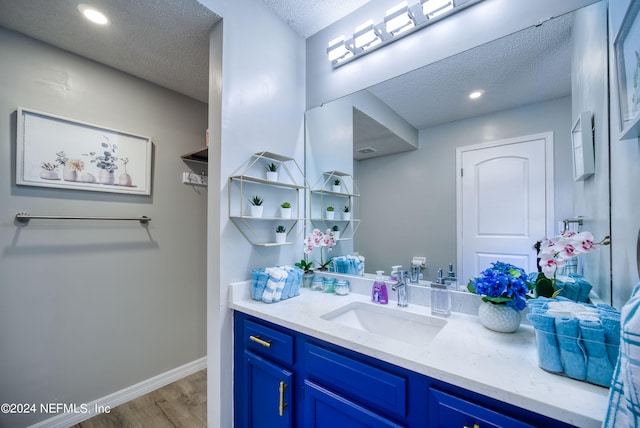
<point>624,396</point>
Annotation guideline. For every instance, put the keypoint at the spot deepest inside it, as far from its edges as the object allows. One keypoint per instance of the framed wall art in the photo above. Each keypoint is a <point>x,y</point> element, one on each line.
<point>627,54</point>
<point>54,151</point>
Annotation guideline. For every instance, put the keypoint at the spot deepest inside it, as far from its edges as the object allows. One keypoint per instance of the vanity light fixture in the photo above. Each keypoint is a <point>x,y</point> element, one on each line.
<point>366,36</point>
<point>337,50</point>
<point>93,14</point>
<point>433,8</point>
<point>476,94</point>
<point>399,21</point>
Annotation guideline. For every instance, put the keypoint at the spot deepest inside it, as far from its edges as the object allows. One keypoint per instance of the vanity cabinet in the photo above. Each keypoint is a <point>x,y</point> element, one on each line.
<point>328,386</point>
<point>325,193</point>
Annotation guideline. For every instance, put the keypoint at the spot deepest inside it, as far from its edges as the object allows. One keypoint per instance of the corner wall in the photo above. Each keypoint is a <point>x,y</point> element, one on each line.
<point>90,308</point>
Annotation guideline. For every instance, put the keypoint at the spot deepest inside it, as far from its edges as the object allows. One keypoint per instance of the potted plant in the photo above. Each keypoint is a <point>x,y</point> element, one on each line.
<point>505,289</point>
<point>307,276</point>
<point>330,213</point>
<point>281,234</point>
<point>346,212</point>
<point>256,206</point>
<point>285,210</point>
<point>336,185</point>
<point>272,171</point>
<point>106,161</point>
<point>336,232</point>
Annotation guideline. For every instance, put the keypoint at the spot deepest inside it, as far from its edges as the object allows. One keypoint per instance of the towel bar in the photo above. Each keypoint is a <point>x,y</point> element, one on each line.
<point>25,217</point>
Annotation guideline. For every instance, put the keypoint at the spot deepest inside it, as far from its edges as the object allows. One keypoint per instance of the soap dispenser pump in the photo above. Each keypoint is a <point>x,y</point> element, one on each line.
<point>379,292</point>
<point>440,297</point>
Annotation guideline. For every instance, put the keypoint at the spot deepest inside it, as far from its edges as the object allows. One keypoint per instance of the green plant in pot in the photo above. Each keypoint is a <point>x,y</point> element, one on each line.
<point>330,212</point>
<point>272,171</point>
<point>281,234</point>
<point>256,206</point>
<point>336,232</point>
<point>336,185</point>
<point>346,212</point>
<point>285,210</point>
<point>307,276</point>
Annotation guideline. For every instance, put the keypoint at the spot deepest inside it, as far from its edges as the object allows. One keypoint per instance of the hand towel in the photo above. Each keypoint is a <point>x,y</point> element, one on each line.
<point>275,285</point>
<point>624,395</point>
<point>548,350</point>
<point>258,283</point>
<point>599,368</point>
<point>571,351</point>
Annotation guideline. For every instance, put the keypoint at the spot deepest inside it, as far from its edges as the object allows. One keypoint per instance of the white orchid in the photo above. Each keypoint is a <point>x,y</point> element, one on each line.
<point>318,239</point>
<point>554,252</point>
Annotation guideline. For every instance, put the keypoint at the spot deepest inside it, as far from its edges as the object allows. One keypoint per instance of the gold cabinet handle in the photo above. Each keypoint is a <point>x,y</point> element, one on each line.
<point>265,343</point>
<point>282,405</point>
<point>474,426</point>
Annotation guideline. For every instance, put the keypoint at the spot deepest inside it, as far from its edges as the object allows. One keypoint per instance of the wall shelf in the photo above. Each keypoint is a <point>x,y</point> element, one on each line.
<point>323,194</point>
<point>200,155</point>
<point>250,180</point>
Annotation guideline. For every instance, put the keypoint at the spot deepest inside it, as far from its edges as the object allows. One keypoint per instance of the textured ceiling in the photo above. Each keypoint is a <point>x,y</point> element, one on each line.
<point>163,41</point>
<point>307,17</point>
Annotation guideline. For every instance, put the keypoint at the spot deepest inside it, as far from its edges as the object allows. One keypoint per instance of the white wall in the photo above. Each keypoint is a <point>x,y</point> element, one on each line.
<point>90,308</point>
<point>408,202</point>
<point>262,108</point>
<point>625,176</point>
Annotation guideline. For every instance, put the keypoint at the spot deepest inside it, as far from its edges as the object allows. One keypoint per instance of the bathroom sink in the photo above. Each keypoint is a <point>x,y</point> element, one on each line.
<point>389,322</point>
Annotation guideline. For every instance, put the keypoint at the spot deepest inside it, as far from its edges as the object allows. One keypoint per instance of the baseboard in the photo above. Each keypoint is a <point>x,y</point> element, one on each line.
<point>65,420</point>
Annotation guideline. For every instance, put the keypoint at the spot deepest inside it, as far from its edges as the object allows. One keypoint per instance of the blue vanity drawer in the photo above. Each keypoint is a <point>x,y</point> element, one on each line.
<point>369,385</point>
<point>266,341</point>
<point>446,410</point>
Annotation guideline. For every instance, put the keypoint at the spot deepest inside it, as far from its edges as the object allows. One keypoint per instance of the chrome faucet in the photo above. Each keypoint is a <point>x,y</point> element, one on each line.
<point>401,287</point>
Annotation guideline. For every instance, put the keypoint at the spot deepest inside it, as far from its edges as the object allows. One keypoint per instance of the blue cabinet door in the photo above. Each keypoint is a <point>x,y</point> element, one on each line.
<point>267,398</point>
<point>326,409</point>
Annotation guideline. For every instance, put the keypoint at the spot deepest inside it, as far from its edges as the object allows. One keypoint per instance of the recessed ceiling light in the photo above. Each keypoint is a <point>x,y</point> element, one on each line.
<point>93,14</point>
<point>476,94</point>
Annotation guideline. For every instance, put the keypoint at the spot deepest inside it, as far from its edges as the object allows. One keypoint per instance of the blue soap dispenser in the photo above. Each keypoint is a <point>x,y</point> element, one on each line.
<point>379,292</point>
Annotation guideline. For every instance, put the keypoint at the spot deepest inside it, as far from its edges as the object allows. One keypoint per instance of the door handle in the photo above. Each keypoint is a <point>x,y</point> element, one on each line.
<point>282,405</point>
<point>256,339</point>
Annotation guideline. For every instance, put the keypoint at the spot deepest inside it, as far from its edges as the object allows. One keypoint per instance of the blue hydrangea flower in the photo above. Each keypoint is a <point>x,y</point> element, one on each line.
<point>502,283</point>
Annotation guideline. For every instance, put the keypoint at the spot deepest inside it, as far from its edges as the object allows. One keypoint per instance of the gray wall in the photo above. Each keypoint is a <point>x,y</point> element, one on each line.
<point>408,202</point>
<point>625,176</point>
<point>90,308</point>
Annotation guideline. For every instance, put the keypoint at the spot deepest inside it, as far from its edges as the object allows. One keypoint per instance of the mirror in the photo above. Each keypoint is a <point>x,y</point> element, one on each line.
<point>405,133</point>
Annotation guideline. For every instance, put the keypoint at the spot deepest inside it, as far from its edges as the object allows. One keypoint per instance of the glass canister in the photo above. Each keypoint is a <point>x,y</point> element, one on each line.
<point>317,284</point>
<point>329,285</point>
<point>342,287</point>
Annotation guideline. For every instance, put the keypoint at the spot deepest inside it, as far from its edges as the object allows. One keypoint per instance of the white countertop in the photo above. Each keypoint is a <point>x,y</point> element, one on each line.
<point>503,366</point>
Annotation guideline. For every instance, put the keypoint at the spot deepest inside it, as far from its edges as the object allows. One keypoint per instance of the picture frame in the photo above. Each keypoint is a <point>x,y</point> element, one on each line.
<point>582,147</point>
<point>627,58</point>
<point>59,152</point>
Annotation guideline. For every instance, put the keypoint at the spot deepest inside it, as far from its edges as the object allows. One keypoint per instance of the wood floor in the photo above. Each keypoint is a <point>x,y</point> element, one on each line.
<point>180,404</point>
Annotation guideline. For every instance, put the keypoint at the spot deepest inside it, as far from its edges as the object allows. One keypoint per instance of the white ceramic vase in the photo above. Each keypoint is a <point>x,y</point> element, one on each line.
<point>337,188</point>
<point>346,216</point>
<point>272,175</point>
<point>501,318</point>
<point>256,210</point>
<point>106,177</point>
<point>69,174</point>
<point>281,238</point>
<point>330,215</point>
<point>285,212</point>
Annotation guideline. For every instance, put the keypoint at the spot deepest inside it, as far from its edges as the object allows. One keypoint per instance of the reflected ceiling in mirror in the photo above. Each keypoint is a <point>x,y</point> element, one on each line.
<point>529,66</point>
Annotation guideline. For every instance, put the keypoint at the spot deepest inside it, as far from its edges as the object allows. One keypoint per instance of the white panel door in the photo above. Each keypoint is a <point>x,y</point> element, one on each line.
<point>504,202</point>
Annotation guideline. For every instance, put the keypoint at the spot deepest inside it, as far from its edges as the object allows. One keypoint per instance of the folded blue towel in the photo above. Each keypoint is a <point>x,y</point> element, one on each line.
<point>573,355</point>
<point>584,288</point>
<point>624,395</point>
<point>548,350</point>
<point>599,368</point>
<point>259,282</point>
<point>611,325</point>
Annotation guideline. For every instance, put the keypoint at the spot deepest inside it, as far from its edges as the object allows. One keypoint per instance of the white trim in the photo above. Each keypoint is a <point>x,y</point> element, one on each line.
<point>110,401</point>
<point>549,181</point>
